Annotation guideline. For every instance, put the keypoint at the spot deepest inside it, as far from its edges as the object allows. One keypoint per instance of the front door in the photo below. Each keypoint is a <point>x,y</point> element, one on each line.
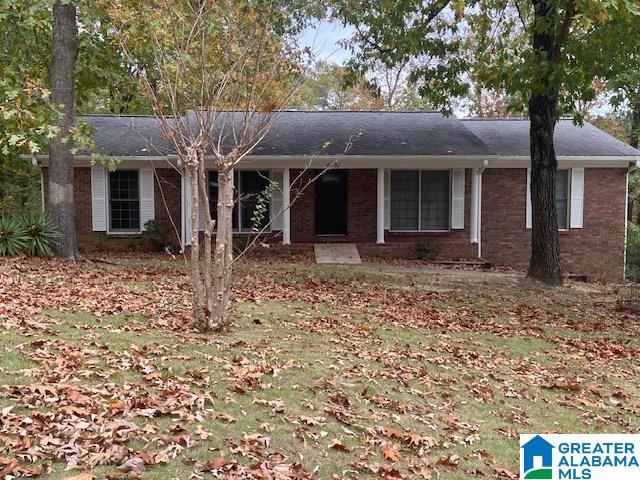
<point>331,203</point>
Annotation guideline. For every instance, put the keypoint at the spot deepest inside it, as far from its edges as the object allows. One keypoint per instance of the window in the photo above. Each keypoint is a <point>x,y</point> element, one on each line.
<point>124,201</point>
<point>249,186</point>
<point>562,198</point>
<point>420,199</point>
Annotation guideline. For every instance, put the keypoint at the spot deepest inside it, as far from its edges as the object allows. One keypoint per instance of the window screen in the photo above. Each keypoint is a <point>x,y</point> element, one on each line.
<point>124,200</point>
<point>562,195</point>
<point>404,199</point>
<point>434,202</point>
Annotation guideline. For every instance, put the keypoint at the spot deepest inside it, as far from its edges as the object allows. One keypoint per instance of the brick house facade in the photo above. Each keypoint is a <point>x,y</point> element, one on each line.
<point>486,197</point>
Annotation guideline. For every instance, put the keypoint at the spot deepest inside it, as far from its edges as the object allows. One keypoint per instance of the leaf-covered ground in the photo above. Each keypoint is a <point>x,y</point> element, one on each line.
<point>331,372</point>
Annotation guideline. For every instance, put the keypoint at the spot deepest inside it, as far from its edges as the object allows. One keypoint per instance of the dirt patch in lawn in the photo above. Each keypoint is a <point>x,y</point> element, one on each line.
<point>350,372</point>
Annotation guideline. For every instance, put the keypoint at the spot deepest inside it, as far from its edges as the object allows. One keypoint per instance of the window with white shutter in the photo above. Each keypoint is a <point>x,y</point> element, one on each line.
<point>98,199</point>
<point>568,198</point>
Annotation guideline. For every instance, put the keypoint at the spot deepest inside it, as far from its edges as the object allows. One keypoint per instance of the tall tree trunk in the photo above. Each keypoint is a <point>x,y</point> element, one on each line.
<point>543,114</point>
<point>545,241</point>
<point>60,202</point>
<point>635,125</point>
<point>223,254</point>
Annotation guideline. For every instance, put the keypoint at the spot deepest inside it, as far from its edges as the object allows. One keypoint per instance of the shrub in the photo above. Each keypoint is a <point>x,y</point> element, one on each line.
<point>40,234</point>
<point>13,237</point>
<point>31,234</point>
<point>427,250</point>
<point>158,233</point>
<point>633,252</point>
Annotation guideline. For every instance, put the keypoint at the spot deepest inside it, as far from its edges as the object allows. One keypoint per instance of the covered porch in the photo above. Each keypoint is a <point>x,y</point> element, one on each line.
<point>356,201</point>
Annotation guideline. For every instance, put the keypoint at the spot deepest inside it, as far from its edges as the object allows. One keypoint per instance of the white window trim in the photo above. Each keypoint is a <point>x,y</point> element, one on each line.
<point>239,230</point>
<point>419,230</point>
<point>108,192</point>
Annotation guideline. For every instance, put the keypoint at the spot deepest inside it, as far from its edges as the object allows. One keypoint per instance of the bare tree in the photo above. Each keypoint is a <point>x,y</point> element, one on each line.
<point>221,75</point>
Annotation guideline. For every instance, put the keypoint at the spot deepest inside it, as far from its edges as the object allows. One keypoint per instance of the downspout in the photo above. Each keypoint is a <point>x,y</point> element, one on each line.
<point>633,166</point>
<point>476,211</point>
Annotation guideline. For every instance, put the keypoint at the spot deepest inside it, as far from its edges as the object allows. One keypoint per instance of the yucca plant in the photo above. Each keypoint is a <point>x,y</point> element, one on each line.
<point>40,233</point>
<point>13,237</point>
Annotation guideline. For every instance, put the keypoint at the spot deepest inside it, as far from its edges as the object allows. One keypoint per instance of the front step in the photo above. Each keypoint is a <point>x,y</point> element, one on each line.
<point>337,254</point>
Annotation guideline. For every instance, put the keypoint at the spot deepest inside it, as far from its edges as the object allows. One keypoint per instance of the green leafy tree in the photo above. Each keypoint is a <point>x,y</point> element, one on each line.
<point>33,113</point>
<point>569,43</point>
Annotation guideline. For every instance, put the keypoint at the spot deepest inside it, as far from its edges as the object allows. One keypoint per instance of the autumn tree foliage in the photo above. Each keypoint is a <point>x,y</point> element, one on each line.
<point>220,73</point>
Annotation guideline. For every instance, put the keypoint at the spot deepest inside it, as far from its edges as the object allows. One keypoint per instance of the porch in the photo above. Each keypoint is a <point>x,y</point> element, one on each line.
<point>370,206</point>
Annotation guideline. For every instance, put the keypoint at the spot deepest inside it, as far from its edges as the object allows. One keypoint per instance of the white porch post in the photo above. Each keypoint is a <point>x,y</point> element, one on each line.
<point>286,208</point>
<point>380,208</point>
<point>475,205</point>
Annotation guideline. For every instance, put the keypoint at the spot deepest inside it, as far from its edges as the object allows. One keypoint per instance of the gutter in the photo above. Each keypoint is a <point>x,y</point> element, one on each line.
<point>476,210</point>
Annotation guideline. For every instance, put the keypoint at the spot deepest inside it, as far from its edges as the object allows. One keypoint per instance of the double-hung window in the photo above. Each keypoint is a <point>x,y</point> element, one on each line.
<point>250,187</point>
<point>420,200</point>
<point>124,201</point>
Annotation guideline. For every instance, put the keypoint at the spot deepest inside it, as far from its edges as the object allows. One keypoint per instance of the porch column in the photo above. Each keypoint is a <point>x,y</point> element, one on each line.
<point>475,205</point>
<point>286,208</point>
<point>380,208</point>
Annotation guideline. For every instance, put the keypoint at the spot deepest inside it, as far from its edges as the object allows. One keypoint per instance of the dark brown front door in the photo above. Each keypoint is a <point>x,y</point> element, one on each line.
<point>331,203</point>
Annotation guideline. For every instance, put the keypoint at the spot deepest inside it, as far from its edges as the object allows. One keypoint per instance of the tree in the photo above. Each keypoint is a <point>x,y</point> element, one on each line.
<point>571,49</point>
<point>221,71</point>
<point>63,59</point>
<point>421,38</point>
<point>30,116</point>
<point>324,89</point>
<point>570,44</point>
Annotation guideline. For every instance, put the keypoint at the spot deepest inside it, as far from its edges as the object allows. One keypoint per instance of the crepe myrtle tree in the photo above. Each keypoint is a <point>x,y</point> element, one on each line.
<point>221,73</point>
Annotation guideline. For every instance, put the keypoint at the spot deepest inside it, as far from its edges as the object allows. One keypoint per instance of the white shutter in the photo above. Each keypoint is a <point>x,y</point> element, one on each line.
<point>457,198</point>
<point>147,200</point>
<point>387,199</point>
<point>276,200</point>
<point>577,197</point>
<point>186,210</point>
<point>528,214</point>
<point>99,199</point>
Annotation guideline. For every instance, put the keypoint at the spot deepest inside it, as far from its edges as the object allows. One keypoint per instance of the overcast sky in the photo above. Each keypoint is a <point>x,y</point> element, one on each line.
<point>323,40</point>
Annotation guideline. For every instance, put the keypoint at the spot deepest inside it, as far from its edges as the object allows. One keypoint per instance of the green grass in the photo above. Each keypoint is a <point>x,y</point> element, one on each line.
<point>470,389</point>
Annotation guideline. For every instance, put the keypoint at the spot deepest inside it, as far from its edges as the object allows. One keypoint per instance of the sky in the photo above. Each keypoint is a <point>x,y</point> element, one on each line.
<point>323,40</point>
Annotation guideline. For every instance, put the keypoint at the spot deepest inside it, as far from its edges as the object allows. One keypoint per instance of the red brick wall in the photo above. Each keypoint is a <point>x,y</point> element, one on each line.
<point>361,208</point>
<point>596,249</point>
<point>361,220</point>
<point>167,181</point>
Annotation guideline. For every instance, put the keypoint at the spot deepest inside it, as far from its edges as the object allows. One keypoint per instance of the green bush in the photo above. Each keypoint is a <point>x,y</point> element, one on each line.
<point>40,234</point>
<point>31,234</point>
<point>427,250</point>
<point>13,237</point>
<point>158,233</point>
<point>633,252</point>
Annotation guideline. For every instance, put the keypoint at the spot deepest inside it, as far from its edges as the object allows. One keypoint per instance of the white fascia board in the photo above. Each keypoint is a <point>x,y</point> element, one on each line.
<point>565,161</point>
<point>366,161</point>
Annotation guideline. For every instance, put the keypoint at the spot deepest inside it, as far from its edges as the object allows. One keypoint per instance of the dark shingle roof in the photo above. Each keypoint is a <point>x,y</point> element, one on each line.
<point>375,133</point>
<point>510,137</point>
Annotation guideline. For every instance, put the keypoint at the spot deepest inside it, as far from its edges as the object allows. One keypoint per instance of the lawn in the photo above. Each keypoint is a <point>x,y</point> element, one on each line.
<point>330,372</point>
